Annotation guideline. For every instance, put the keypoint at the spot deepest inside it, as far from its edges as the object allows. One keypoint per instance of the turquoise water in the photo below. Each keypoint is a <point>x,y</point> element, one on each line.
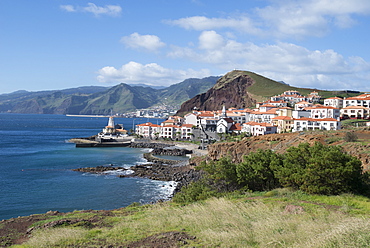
<point>36,166</point>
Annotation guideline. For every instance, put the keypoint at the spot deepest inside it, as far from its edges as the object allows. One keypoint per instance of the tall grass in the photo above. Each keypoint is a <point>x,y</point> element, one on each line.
<point>222,222</point>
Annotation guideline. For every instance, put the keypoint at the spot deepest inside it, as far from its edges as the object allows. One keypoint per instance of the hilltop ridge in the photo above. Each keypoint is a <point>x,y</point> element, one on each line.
<point>102,100</point>
<point>238,89</point>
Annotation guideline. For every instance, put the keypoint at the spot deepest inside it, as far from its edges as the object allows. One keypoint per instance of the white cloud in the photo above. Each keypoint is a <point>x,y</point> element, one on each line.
<point>148,42</point>
<point>68,8</point>
<point>110,10</point>
<point>200,23</point>
<point>285,19</point>
<point>152,74</point>
<point>325,69</point>
<point>210,40</point>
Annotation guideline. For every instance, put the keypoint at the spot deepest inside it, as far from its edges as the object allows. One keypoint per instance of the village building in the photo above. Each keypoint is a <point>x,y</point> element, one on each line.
<point>304,124</point>
<point>170,132</point>
<point>283,124</point>
<point>280,103</point>
<point>224,125</point>
<point>256,129</point>
<point>355,112</point>
<point>148,130</point>
<point>302,105</point>
<point>264,114</point>
<point>314,97</point>
<point>322,112</point>
<point>361,100</point>
<point>236,128</point>
<point>191,118</point>
<point>335,102</point>
<point>186,131</point>
<point>284,111</point>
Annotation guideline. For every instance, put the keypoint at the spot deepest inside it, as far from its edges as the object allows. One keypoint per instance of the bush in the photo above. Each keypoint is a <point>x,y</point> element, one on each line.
<point>195,191</point>
<point>222,173</point>
<point>257,171</point>
<point>316,169</point>
<point>320,169</point>
<point>350,137</point>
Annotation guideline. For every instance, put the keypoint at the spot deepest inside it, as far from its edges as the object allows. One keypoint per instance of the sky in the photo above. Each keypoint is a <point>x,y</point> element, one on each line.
<point>59,44</point>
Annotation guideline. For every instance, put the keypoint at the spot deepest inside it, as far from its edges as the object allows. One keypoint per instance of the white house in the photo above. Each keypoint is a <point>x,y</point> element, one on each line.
<point>335,102</point>
<point>322,112</point>
<point>361,100</point>
<point>304,124</point>
<point>224,125</point>
<point>191,118</point>
<point>256,129</point>
<point>186,131</point>
<point>148,130</point>
<point>302,105</point>
<point>355,112</point>
<point>263,114</point>
<point>170,132</point>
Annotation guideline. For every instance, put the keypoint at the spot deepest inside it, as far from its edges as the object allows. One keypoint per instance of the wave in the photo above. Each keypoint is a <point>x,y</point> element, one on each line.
<point>118,172</point>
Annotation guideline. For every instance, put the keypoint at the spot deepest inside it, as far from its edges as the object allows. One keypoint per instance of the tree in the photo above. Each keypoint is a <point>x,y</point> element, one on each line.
<point>257,171</point>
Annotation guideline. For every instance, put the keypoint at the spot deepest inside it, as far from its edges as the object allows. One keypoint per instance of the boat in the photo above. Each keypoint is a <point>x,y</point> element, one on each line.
<point>112,135</point>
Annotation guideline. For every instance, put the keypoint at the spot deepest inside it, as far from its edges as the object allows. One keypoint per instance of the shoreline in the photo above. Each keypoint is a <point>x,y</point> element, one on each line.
<point>180,171</point>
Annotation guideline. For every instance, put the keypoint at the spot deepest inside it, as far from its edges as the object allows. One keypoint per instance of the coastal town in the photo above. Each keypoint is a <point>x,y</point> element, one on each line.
<point>288,112</point>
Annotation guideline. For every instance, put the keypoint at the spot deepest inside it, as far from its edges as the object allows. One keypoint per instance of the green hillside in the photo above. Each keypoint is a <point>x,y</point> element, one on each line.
<point>179,93</point>
<point>100,100</point>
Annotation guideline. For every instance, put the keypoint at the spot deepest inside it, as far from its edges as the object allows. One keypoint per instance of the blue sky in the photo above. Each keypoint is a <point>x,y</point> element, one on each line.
<point>58,44</point>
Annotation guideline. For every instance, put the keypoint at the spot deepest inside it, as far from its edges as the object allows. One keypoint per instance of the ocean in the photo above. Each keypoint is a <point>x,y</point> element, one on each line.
<point>36,163</point>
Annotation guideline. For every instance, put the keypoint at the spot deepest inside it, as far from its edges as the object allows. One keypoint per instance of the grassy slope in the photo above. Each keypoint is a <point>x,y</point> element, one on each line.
<point>264,88</point>
<point>237,220</point>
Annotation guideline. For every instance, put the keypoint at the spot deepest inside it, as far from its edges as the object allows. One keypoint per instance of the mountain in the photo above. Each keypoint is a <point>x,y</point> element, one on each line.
<point>102,100</point>
<point>178,93</point>
<point>242,89</point>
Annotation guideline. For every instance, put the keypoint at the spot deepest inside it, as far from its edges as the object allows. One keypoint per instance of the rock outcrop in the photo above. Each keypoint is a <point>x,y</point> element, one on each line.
<point>230,91</point>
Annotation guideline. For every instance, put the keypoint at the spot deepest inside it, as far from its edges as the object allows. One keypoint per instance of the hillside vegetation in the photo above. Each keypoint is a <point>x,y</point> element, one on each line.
<point>243,89</point>
<point>121,98</point>
<point>279,218</point>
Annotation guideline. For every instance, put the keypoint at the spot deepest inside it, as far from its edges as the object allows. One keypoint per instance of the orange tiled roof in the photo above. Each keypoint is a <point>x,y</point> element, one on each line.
<point>355,107</point>
<point>312,119</point>
<point>282,118</point>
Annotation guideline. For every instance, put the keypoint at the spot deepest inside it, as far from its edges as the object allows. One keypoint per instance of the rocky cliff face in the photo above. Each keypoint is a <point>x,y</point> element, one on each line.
<point>231,90</point>
<point>281,142</point>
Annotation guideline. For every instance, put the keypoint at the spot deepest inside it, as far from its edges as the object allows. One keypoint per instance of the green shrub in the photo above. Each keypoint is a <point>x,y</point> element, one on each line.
<point>350,137</point>
<point>320,169</point>
<point>195,191</point>
<point>222,173</point>
<point>257,171</point>
<point>316,169</point>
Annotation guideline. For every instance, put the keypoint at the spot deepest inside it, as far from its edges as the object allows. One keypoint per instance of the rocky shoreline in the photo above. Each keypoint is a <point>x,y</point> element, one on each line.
<point>182,172</point>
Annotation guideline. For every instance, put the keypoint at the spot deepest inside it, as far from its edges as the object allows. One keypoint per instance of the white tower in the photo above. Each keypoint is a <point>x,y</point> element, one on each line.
<point>223,114</point>
<point>111,122</point>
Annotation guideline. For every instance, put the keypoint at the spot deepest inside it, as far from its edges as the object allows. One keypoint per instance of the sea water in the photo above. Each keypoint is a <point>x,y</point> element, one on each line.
<point>36,163</point>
